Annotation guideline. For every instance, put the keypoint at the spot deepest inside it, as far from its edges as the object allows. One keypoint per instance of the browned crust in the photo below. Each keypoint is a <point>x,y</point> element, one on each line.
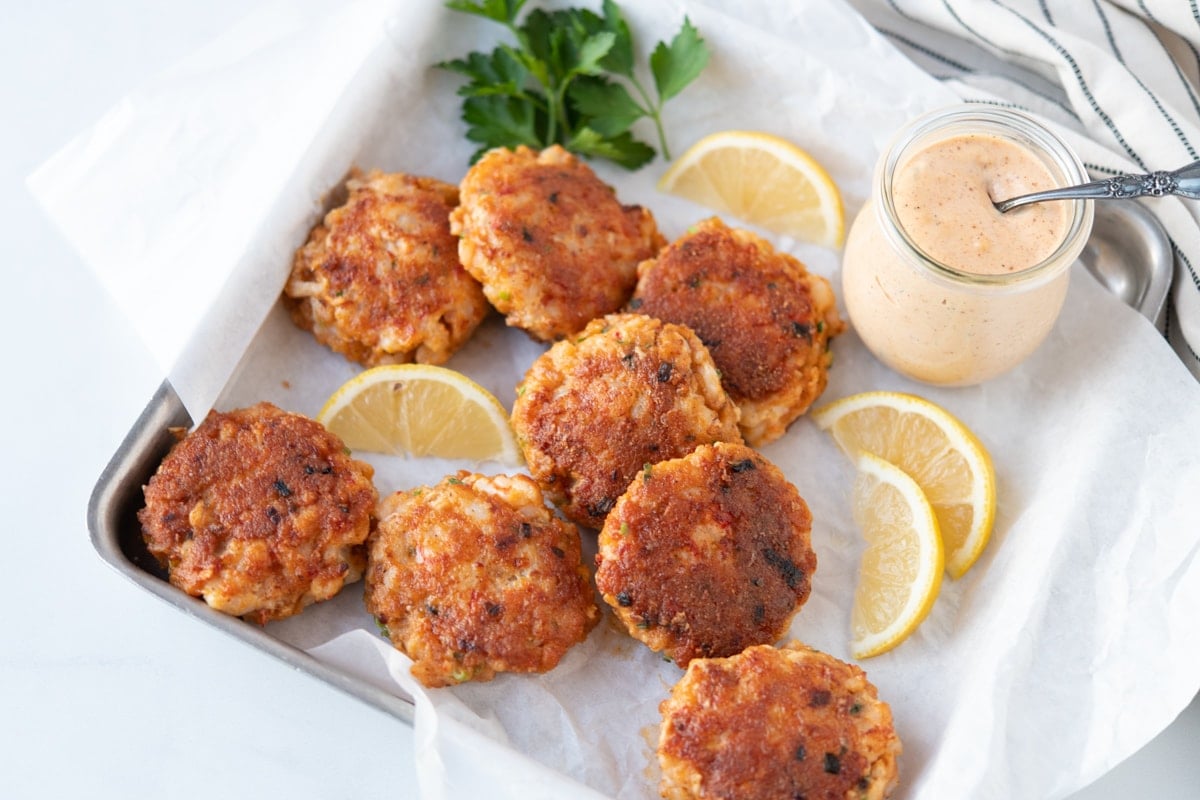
<point>474,576</point>
<point>552,245</point>
<point>627,391</point>
<point>776,723</point>
<point>379,279</point>
<point>260,511</point>
<point>707,554</point>
<point>765,319</point>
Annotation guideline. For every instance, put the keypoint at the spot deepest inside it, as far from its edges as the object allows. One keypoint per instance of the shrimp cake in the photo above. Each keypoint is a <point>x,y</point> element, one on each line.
<point>475,576</point>
<point>767,321</point>
<point>629,390</point>
<point>379,280</point>
<point>260,512</point>
<point>549,241</point>
<point>776,723</point>
<point>707,554</point>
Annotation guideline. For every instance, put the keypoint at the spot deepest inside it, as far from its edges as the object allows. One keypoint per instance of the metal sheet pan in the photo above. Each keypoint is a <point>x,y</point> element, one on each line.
<point>116,535</point>
<point>1129,253</point>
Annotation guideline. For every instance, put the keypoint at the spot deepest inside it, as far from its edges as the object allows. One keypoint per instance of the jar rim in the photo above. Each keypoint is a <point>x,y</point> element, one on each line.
<point>1017,127</point>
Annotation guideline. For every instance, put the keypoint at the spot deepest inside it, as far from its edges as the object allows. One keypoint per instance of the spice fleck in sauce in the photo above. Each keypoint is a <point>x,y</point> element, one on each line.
<point>944,199</point>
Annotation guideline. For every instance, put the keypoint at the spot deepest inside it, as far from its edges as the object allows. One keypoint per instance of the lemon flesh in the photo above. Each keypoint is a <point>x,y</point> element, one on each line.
<point>900,572</point>
<point>761,179</point>
<point>420,410</point>
<point>941,454</point>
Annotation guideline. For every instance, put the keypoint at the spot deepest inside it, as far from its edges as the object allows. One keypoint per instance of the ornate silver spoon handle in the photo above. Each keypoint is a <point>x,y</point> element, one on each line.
<point>1184,182</point>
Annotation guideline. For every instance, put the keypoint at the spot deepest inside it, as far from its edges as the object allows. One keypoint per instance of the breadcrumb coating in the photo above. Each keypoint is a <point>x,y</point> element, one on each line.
<point>260,512</point>
<point>707,554</point>
<point>379,279</point>
<point>629,390</point>
<point>765,319</point>
<point>776,723</point>
<point>552,245</point>
<point>474,576</point>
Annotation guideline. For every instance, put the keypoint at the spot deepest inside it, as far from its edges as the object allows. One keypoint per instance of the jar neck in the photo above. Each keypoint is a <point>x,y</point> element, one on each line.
<point>1062,163</point>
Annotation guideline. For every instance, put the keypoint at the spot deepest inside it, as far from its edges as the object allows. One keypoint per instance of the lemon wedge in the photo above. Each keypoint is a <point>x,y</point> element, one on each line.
<point>761,179</point>
<point>420,410</point>
<point>900,573</point>
<point>940,453</point>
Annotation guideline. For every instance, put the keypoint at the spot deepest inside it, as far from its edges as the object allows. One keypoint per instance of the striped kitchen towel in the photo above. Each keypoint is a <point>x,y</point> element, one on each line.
<point>1119,79</point>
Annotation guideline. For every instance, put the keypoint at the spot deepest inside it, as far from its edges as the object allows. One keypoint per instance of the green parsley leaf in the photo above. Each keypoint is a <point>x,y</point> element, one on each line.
<point>622,149</point>
<point>504,11</point>
<point>676,66</point>
<point>592,51</point>
<point>620,58</point>
<point>567,81</point>
<point>496,121</point>
<point>608,105</point>
<point>501,72</point>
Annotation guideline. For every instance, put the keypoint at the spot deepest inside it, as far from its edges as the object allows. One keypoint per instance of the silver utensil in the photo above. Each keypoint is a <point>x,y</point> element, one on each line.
<point>1184,182</point>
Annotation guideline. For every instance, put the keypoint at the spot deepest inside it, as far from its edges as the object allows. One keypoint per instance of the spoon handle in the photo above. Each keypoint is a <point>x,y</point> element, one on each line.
<point>1184,182</point>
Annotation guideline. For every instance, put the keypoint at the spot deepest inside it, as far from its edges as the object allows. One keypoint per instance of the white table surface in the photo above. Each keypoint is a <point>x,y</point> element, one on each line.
<point>104,690</point>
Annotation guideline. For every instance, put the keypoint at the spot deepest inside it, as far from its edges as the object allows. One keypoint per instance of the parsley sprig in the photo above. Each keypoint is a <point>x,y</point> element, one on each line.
<point>567,81</point>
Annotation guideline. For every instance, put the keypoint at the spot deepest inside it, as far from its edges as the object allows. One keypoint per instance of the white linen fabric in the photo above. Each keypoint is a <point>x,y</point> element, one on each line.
<point>1119,79</point>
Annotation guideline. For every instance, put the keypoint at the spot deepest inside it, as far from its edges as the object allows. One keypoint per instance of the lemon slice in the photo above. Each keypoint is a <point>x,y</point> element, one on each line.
<point>901,569</point>
<point>761,179</point>
<point>420,410</point>
<point>945,459</point>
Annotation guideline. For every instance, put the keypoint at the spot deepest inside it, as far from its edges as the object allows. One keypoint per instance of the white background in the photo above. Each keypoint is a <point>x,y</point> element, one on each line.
<point>104,690</point>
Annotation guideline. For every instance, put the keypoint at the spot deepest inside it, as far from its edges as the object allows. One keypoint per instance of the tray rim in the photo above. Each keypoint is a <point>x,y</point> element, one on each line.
<point>132,463</point>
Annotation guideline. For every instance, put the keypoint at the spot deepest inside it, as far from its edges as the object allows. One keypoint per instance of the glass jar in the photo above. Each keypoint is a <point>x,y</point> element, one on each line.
<point>950,320</point>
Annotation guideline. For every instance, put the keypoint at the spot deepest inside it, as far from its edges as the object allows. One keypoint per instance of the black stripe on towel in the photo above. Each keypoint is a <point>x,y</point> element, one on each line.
<point>1087,92</point>
<point>1046,13</point>
<point>1187,84</point>
<point>1188,265</point>
<point>1112,43</point>
<point>926,51</point>
<point>1108,34</point>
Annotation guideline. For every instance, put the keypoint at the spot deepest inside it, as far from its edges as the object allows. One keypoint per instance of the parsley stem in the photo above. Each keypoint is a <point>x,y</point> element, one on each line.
<point>654,111</point>
<point>558,109</point>
<point>662,135</point>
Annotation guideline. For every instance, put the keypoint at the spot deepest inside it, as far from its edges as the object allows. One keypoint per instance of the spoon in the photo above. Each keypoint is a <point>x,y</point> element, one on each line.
<point>1184,182</point>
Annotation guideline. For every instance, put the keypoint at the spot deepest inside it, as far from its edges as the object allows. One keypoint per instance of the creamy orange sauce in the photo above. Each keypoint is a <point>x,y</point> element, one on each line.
<point>944,198</point>
<point>935,331</point>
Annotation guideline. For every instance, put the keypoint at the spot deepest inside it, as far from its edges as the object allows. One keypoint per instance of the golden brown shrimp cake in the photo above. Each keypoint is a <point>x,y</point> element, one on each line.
<point>260,512</point>
<point>629,390</point>
<point>475,576</point>
<point>707,554</point>
<point>776,723</point>
<point>379,279</point>
<point>549,241</point>
<point>766,320</point>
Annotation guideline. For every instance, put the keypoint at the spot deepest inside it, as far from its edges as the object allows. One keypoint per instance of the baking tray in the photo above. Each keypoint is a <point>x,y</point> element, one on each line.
<point>117,537</point>
<point>1128,252</point>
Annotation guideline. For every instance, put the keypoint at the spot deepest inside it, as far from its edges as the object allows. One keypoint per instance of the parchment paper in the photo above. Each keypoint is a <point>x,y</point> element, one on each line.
<point>1069,645</point>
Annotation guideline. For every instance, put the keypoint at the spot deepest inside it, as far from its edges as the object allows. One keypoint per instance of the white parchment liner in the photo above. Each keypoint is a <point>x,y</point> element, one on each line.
<point>1068,646</point>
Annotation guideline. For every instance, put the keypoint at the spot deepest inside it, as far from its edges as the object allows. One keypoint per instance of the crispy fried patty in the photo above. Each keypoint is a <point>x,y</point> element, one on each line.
<point>707,554</point>
<point>765,319</point>
<point>379,279</point>
<point>475,576</point>
<point>776,723</point>
<point>629,390</point>
<point>549,241</point>
<point>260,512</point>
